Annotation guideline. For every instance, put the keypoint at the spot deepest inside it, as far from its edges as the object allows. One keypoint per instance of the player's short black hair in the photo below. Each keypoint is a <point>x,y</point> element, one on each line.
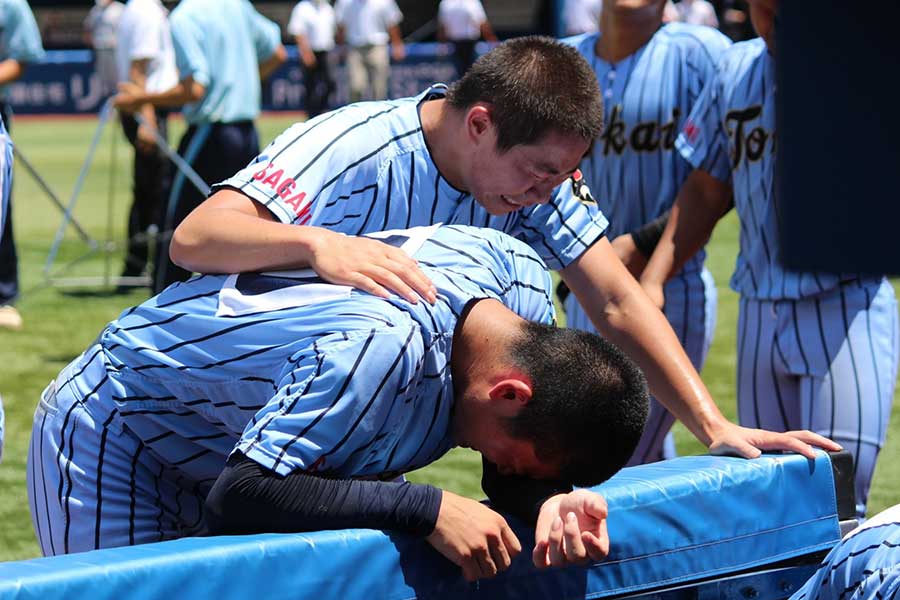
<point>589,403</point>
<point>535,85</point>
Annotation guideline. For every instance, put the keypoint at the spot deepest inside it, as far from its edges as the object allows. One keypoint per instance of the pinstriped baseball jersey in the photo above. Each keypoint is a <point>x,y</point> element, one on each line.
<point>6,166</point>
<point>633,169</point>
<point>731,135</point>
<point>864,565</point>
<point>366,167</point>
<point>345,383</point>
<point>635,172</point>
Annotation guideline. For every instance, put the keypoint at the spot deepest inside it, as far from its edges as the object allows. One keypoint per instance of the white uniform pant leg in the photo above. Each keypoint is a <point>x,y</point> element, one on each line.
<point>357,74</point>
<point>827,364</point>
<point>92,485</point>
<point>691,303</point>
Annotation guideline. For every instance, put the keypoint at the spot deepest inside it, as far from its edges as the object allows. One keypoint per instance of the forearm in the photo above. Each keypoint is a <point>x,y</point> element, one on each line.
<point>248,498</point>
<point>184,92</point>
<point>268,66</point>
<point>229,233</point>
<point>624,314</point>
<point>10,70</point>
<point>701,202</point>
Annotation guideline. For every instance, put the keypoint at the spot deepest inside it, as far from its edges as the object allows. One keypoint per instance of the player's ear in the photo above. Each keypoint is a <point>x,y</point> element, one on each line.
<point>480,123</point>
<point>510,394</point>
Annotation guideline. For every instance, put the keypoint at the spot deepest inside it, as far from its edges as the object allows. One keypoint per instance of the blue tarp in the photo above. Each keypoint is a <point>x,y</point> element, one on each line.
<point>673,522</point>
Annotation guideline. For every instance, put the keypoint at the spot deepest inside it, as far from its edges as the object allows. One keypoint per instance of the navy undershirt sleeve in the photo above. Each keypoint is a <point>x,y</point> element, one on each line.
<point>248,498</point>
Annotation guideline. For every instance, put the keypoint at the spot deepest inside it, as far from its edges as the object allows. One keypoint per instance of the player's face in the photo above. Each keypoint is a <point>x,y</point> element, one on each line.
<point>486,433</point>
<point>524,175</point>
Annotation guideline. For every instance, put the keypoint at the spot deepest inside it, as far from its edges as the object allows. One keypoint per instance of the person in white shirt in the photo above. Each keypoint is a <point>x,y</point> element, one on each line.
<point>463,22</point>
<point>145,57</point>
<point>313,26</point>
<point>581,16</point>
<point>694,12</point>
<point>100,32</point>
<point>366,27</point>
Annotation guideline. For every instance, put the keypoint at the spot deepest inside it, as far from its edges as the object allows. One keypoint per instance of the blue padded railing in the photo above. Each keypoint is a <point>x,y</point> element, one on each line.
<point>669,523</point>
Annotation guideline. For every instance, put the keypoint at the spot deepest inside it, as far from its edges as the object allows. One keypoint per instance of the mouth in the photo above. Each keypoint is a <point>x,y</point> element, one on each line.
<point>511,204</point>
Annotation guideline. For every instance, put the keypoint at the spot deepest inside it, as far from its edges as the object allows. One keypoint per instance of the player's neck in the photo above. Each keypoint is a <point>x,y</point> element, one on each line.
<point>439,127</point>
<point>480,340</point>
<point>622,33</point>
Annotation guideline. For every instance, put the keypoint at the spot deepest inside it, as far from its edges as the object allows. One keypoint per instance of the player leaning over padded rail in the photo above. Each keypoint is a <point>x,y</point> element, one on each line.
<point>284,403</point>
<point>495,150</point>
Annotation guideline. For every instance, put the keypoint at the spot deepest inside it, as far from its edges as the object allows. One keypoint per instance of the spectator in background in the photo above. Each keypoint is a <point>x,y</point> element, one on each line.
<point>100,33</point>
<point>145,58</point>
<point>463,22</point>
<point>366,27</point>
<point>223,50</point>
<point>581,16</point>
<point>693,12</point>
<point>20,44</point>
<point>313,26</point>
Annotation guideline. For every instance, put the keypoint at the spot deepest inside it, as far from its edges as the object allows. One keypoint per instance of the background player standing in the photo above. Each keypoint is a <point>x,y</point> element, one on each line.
<point>223,49</point>
<point>306,390</point>
<point>650,76</point>
<point>145,58</point>
<point>20,44</point>
<point>816,351</point>
<point>366,27</point>
<point>313,26</point>
<point>100,27</point>
<point>495,150</point>
<point>463,23</point>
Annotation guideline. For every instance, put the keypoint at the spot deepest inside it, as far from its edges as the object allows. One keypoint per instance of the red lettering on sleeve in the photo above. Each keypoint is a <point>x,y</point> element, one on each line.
<point>287,186</point>
<point>273,179</point>
<point>259,175</point>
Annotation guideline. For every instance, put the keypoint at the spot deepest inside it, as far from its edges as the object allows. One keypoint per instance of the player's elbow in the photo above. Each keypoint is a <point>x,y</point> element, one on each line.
<point>186,246</point>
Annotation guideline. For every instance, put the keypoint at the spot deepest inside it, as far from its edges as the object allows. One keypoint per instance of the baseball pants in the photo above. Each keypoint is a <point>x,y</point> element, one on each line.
<point>827,364</point>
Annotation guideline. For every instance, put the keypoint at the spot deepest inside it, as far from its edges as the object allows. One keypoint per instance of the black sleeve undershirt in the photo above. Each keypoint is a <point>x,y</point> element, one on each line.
<point>647,236</point>
<point>249,498</point>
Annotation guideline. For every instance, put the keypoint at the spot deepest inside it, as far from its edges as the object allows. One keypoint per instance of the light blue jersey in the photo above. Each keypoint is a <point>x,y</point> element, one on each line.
<point>634,172</point>
<point>6,173</point>
<point>220,43</point>
<point>293,372</point>
<point>633,169</point>
<point>816,351</point>
<point>865,565</point>
<point>731,135</point>
<point>366,167</point>
<point>6,164</point>
<point>19,35</point>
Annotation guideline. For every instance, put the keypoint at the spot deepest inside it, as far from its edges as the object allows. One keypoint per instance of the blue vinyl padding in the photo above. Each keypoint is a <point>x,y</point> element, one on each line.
<point>673,522</point>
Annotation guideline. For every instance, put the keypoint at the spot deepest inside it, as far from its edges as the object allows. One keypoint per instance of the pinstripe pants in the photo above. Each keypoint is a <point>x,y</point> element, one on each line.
<point>92,483</point>
<point>827,364</point>
<point>691,310</point>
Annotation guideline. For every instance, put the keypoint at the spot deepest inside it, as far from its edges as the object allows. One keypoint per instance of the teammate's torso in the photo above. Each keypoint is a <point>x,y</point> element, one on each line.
<point>366,167</point>
<point>742,111</point>
<point>201,365</point>
<point>634,170</point>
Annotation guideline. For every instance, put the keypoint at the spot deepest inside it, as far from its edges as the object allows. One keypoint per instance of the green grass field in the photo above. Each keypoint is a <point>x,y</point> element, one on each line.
<point>60,321</point>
